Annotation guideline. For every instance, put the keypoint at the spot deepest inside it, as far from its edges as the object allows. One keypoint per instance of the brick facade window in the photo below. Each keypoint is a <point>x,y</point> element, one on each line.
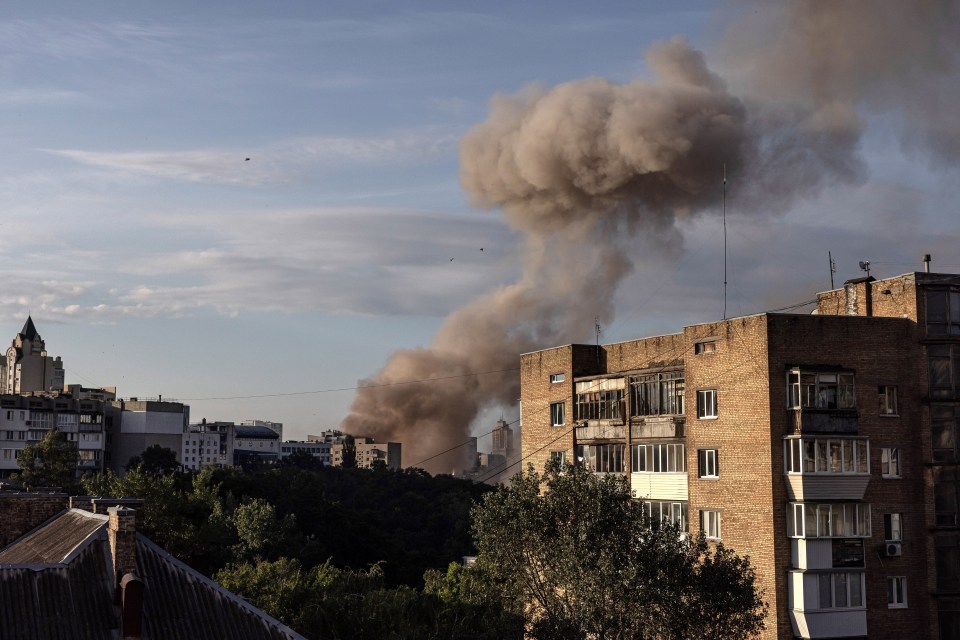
<point>559,457</point>
<point>890,462</point>
<point>706,404</point>
<point>658,458</point>
<point>897,592</point>
<point>707,463</point>
<point>888,400</point>
<point>708,346</point>
<point>671,512</point>
<point>840,590</point>
<point>833,520</point>
<point>657,394</point>
<point>557,418</point>
<point>602,458</point>
<point>710,524</point>
<point>943,313</point>
<point>820,390</point>
<point>556,378</point>
<point>893,527</point>
<point>826,455</point>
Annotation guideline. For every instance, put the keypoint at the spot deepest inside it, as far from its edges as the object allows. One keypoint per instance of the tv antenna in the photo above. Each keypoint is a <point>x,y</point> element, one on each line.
<point>724,240</point>
<point>865,266</point>
<point>833,268</point>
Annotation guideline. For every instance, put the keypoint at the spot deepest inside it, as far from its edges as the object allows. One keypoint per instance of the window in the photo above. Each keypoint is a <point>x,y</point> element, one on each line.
<point>707,463</point>
<point>944,367</point>
<point>943,313</point>
<point>705,347</point>
<point>558,457</point>
<point>897,592</point>
<point>835,520</point>
<point>820,390</point>
<point>840,590</point>
<point>944,427</point>
<point>888,400</point>
<point>556,414</point>
<point>893,527</point>
<point>600,399</point>
<point>658,458</point>
<point>710,524</point>
<point>946,489</point>
<point>671,512</point>
<point>890,462</point>
<point>657,394</point>
<point>821,455</point>
<point>602,458</point>
<point>556,378</point>
<point>706,403</point>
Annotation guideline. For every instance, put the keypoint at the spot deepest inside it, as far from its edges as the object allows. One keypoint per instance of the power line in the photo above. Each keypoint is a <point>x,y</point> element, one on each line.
<point>364,386</point>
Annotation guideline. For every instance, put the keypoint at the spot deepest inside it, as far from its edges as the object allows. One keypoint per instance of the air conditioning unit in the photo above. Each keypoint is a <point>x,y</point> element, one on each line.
<point>893,549</point>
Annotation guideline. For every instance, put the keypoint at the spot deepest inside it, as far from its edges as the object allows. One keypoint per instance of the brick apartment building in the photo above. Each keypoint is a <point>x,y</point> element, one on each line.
<point>822,445</point>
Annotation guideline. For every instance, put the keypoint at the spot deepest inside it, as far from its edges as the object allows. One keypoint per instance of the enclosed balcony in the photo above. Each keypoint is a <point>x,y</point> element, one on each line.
<point>826,468</point>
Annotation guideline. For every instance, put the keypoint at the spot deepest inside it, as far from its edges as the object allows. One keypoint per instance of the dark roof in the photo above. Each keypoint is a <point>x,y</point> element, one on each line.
<point>29,332</point>
<point>59,601</point>
<point>56,582</point>
<point>248,431</point>
<point>55,541</point>
<point>180,602</point>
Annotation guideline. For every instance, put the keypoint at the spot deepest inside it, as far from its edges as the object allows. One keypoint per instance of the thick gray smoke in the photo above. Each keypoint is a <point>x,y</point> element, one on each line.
<point>576,166</point>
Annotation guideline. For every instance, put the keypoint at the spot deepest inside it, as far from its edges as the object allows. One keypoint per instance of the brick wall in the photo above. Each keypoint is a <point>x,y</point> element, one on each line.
<point>21,512</point>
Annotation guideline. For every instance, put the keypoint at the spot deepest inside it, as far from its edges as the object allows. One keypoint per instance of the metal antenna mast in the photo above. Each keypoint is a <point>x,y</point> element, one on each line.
<point>833,268</point>
<point>724,241</point>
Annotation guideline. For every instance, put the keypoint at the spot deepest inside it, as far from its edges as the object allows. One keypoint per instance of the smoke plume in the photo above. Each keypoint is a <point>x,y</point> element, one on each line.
<point>581,166</point>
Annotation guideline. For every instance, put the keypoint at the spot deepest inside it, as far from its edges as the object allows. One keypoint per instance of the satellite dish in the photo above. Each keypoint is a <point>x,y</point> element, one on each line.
<point>865,266</point>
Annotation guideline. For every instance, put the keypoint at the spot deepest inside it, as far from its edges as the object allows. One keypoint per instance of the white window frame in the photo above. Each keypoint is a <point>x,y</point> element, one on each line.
<point>893,527</point>
<point>559,457</point>
<point>896,592</point>
<point>810,520</point>
<point>814,390</point>
<point>890,462</point>
<point>833,581</point>
<point>826,456</point>
<point>558,414</point>
<point>658,458</point>
<point>707,408</point>
<point>707,463</point>
<point>889,402</point>
<point>557,378</point>
<point>710,523</point>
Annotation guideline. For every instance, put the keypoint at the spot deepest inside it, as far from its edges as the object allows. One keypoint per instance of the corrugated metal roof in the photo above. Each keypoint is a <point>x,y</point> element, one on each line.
<point>54,541</point>
<point>54,602</point>
<point>57,582</point>
<point>180,602</point>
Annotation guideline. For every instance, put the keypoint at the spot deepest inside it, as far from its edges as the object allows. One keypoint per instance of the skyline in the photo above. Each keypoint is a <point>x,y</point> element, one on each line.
<point>155,257</point>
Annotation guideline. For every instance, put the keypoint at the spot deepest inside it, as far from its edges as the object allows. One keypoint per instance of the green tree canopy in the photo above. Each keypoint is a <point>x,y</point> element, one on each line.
<point>156,460</point>
<point>51,462</point>
<point>588,562</point>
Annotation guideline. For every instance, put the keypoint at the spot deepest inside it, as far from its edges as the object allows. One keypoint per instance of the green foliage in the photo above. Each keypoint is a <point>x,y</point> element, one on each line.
<point>590,563</point>
<point>52,462</point>
<point>156,460</point>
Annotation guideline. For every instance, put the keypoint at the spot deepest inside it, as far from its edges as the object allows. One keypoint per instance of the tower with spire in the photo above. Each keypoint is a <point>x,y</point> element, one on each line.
<point>27,367</point>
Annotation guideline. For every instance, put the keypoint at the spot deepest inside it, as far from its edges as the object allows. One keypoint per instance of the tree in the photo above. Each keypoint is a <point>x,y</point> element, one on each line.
<point>51,462</point>
<point>589,562</point>
<point>349,456</point>
<point>156,460</point>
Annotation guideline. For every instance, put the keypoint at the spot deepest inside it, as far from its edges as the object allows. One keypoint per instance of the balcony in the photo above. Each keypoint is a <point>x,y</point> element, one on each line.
<point>601,430</point>
<point>827,486</point>
<point>840,421</point>
<point>829,624</point>
<point>657,427</point>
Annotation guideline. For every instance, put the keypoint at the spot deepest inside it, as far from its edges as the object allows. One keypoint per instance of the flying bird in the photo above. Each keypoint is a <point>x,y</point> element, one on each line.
<point>246,159</point>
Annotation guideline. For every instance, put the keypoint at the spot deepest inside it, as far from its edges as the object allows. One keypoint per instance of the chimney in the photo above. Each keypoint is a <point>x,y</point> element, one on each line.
<point>122,532</point>
<point>926,263</point>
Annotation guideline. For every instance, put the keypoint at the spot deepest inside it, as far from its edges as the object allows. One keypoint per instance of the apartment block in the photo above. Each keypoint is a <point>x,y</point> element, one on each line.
<point>138,423</point>
<point>26,419</point>
<point>822,445</point>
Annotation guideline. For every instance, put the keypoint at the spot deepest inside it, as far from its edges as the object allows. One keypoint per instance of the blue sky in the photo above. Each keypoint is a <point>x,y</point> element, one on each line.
<point>156,257</point>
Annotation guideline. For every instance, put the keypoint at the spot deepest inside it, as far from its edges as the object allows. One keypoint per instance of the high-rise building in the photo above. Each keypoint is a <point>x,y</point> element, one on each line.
<point>27,367</point>
<point>825,446</point>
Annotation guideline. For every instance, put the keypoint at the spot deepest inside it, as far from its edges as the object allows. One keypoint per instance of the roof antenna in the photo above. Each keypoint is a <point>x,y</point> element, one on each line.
<point>833,268</point>
<point>724,240</point>
<point>865,266</point>
<point>596,327</point>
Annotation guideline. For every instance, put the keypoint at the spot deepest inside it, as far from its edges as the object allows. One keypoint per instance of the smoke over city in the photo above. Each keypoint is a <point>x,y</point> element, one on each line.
<point>579,167</point>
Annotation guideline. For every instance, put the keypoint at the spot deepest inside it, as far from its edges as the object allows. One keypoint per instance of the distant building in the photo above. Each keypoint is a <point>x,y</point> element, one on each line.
<point>137,424</point>
<point>208,444</point>
<point>27,367</point>
<point>255,445</point>
<point>26,419</point>
<point>503,440</point>
<point>319,450</point>
<point>277,427</point>
<point>368,452</point>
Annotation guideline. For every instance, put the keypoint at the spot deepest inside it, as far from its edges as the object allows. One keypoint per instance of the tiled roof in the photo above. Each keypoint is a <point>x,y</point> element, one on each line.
<point>53,542</point>
<point>179,602</point>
